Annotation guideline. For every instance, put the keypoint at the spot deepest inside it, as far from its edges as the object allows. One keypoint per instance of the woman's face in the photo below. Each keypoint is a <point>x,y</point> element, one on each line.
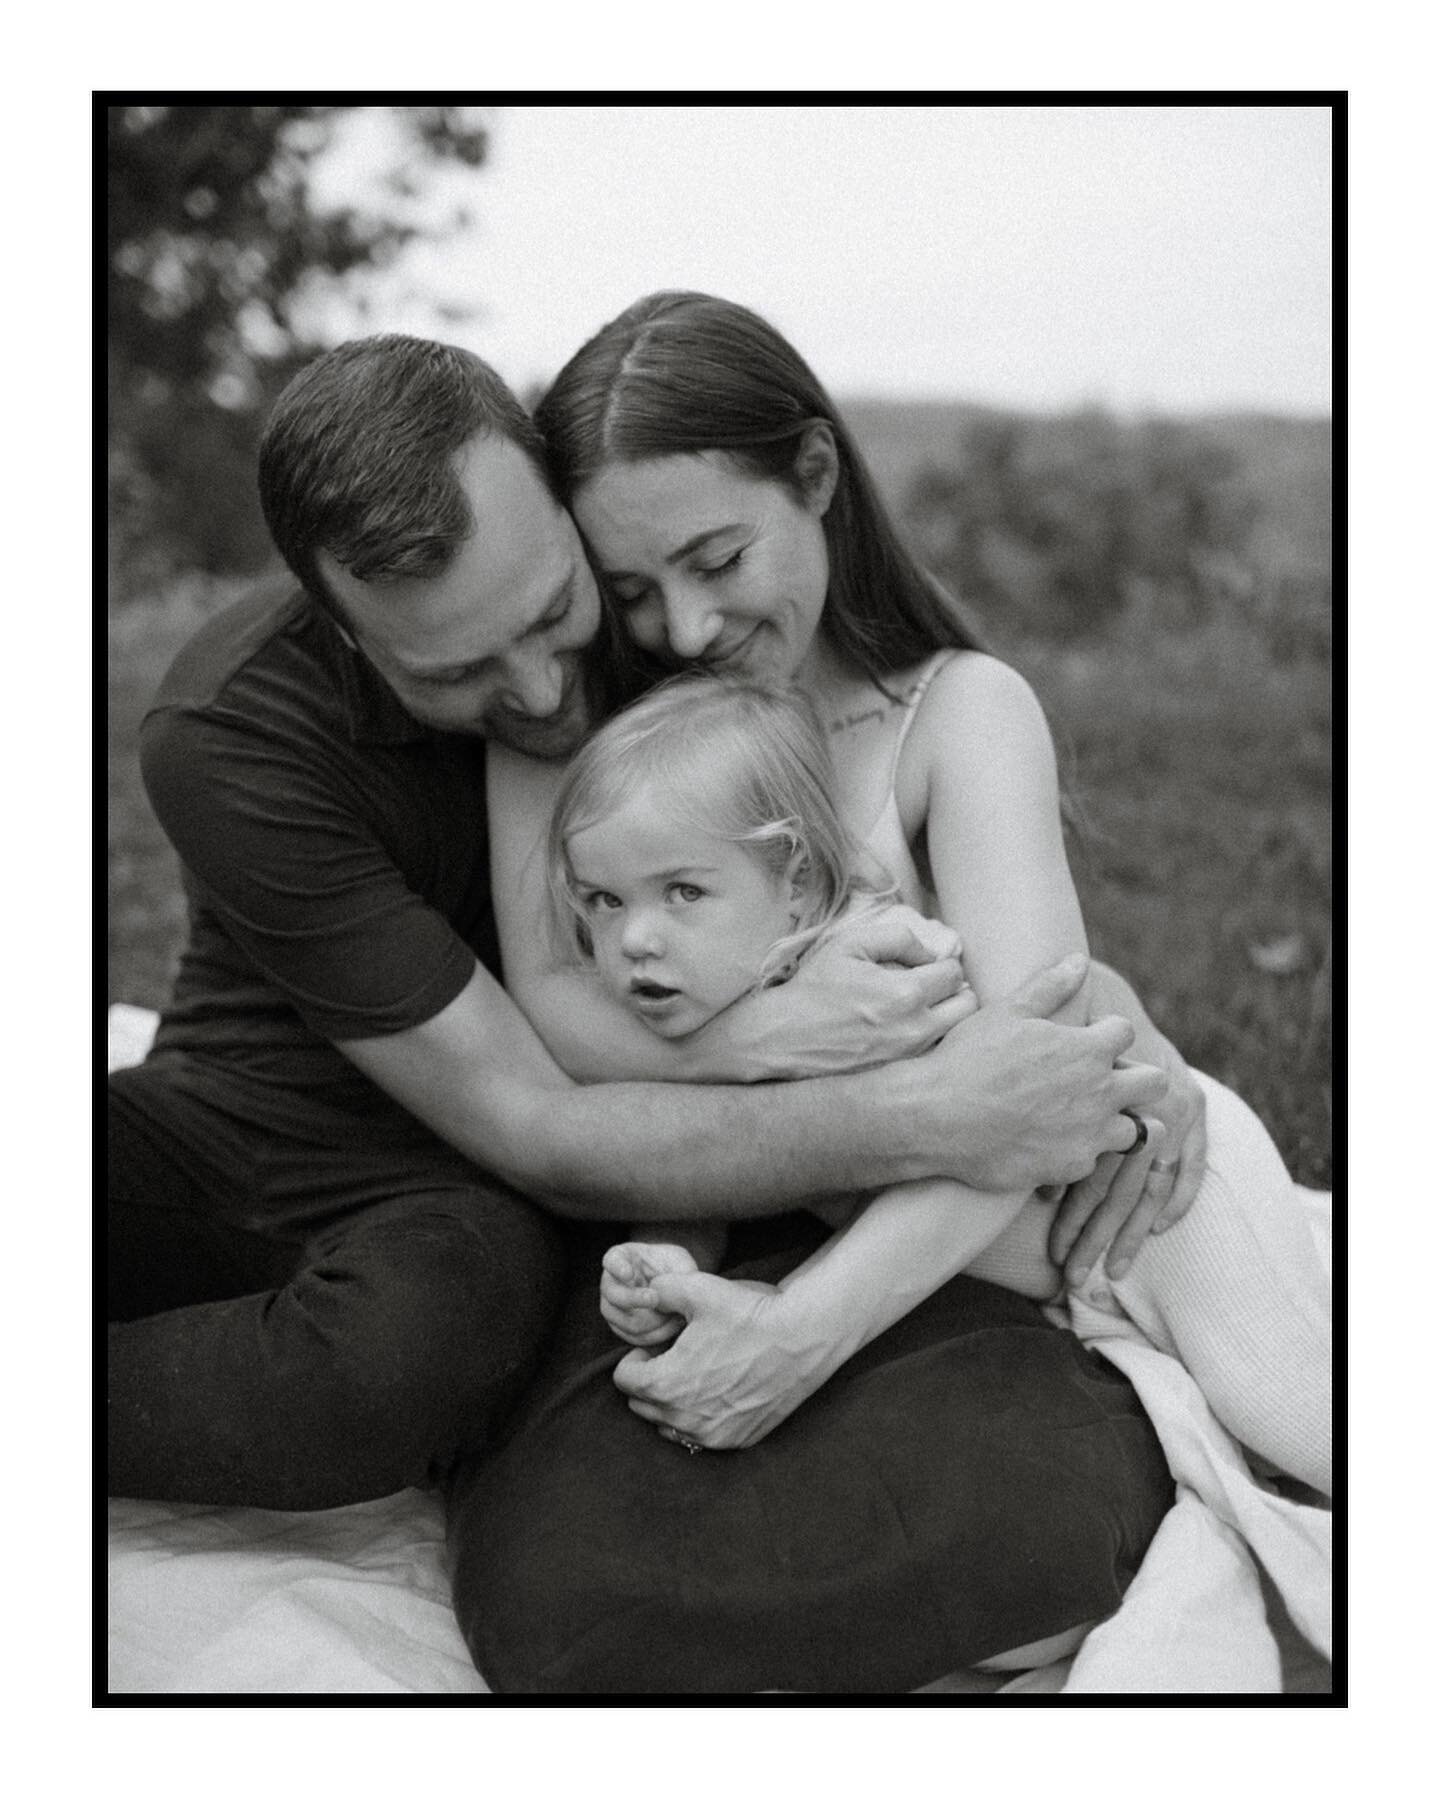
<point>709,564</point>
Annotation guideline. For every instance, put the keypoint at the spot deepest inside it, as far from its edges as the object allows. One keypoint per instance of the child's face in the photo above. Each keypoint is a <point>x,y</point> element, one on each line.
<point>681,921</point>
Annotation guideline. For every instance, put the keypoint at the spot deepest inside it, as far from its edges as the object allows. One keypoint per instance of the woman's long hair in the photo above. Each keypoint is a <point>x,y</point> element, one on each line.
<point>681,373</point>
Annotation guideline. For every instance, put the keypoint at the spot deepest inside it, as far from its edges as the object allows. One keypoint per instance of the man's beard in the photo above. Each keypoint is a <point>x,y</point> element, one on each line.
<point>551,738</point>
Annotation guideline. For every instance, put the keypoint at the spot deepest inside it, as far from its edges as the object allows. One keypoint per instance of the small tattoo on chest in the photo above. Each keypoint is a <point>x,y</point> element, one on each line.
<point>851,720</point>
<point>873,715</point>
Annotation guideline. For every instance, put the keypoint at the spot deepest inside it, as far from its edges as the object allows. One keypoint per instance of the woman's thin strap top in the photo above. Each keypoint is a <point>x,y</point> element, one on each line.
<point>886,837</point>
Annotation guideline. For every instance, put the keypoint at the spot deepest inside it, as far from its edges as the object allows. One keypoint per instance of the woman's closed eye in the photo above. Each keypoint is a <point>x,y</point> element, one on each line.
<point>717,570</point>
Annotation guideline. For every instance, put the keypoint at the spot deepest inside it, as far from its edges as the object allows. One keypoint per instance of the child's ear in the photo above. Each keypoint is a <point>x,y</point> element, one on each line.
<point>795,871</point>
<point>817,467</point>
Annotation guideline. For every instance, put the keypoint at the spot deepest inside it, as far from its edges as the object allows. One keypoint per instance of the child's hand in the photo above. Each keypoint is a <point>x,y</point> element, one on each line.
<point>627,1301</point>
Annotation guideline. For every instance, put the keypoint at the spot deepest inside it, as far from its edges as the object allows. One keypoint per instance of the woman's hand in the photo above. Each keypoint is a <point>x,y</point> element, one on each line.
<point>1143,1190</point>
<point>742,1363</point>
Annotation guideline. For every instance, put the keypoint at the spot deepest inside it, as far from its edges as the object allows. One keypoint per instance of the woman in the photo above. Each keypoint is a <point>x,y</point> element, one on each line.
<point>733,525</point>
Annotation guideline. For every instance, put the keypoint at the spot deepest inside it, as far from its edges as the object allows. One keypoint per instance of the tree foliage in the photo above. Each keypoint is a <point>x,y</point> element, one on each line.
<point>216,252</point>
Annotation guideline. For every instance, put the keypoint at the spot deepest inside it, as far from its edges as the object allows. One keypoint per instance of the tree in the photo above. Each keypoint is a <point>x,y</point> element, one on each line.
<point>215,252</point>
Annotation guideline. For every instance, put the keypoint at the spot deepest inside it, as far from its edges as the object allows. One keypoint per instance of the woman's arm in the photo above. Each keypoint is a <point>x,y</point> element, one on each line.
<point>978,768</point>
<point>873,993</point>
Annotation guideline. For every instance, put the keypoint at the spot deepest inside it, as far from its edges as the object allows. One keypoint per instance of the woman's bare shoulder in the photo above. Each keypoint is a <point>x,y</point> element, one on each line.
<point>976,694</point>
<point>978,714</point>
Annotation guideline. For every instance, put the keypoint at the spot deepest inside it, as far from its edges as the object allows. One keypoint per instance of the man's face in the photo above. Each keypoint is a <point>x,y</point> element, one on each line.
<point>493,646</point>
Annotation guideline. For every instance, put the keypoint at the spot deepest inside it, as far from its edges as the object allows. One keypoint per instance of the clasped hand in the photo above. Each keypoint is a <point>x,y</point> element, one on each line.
<point>739,1366</point>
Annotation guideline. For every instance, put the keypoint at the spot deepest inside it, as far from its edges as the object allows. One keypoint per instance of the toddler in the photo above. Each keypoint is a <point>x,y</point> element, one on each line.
<point>695,854</point>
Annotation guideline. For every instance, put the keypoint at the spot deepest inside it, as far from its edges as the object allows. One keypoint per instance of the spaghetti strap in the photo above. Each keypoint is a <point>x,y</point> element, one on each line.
<point>928,672</point>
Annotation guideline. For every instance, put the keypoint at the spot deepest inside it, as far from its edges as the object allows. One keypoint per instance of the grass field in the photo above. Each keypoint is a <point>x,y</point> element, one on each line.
<point>1197,766</point>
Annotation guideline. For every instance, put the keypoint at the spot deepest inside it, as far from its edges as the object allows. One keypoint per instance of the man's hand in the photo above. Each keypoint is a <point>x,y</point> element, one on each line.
<point>1125,1198</point>
<point>1022,1102</point>
<point>884,986</point>
<point>740,1366</point>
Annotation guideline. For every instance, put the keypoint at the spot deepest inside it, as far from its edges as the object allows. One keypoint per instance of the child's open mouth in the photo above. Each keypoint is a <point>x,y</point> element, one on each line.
<point>652,992</point>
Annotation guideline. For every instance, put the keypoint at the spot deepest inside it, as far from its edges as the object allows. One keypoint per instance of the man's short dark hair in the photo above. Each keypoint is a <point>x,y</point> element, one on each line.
<point>358,457</point>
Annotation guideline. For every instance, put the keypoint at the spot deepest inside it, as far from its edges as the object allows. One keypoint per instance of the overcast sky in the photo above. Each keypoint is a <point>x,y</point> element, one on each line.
<point>1167,257</point>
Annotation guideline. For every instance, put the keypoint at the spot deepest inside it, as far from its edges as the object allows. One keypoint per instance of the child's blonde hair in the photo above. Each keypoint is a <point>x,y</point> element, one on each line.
<point>735,759</point>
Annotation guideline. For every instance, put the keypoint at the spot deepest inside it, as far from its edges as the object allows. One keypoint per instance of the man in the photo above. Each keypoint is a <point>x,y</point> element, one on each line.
<point>324,1278</point>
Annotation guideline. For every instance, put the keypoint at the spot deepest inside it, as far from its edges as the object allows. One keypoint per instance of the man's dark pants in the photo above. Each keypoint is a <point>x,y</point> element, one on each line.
<point>305,1317</point>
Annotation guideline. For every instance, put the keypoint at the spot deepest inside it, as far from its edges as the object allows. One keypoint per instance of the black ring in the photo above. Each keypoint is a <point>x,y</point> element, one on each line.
<point>1142,1130</point>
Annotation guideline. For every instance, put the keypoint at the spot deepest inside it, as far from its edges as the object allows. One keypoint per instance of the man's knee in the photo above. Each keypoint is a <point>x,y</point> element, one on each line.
<point>438,1318</point>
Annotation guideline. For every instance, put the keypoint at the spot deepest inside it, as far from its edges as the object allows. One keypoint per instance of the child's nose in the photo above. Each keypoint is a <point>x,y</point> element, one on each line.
<point>641,935</point>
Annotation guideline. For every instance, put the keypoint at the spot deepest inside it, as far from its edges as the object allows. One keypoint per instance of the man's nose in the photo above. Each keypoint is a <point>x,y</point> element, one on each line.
<point>536,687</point>
<point>691,623</point>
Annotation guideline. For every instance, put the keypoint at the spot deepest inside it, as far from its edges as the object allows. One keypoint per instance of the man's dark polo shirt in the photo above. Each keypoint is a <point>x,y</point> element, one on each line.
<point>335,852</point>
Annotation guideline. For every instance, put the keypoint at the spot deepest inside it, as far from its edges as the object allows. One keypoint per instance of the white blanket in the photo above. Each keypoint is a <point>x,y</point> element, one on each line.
<point>233,1600</point>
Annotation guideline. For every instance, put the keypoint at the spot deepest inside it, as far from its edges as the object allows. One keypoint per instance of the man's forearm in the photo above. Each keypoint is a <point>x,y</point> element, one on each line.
<point>1006,1101</point>
<point>478,1076</point>
<point>635,1151</point>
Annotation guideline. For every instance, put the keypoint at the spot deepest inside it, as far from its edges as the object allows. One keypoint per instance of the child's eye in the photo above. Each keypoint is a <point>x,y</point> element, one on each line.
<point>686,891</point>
<point>599,900</point>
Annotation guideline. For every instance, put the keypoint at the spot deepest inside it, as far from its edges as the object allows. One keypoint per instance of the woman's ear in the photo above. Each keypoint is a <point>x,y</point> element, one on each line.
<point>817,467</point>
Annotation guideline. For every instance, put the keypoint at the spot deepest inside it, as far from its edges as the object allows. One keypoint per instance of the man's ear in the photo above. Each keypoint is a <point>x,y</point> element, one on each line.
<point>817,467</point>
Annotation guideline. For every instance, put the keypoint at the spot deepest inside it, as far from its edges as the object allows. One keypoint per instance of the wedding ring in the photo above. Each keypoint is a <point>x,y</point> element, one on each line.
<point>1165,1168</point>
<point>688,1444</point>
<point>1142,1130</point>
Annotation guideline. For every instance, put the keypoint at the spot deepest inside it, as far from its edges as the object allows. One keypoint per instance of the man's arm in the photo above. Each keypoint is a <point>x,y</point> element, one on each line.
<point>1007,1100</point>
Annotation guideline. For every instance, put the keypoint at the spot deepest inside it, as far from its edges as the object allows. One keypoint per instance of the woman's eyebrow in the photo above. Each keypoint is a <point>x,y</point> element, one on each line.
<point>700,539</point>
<point>698,542</point>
